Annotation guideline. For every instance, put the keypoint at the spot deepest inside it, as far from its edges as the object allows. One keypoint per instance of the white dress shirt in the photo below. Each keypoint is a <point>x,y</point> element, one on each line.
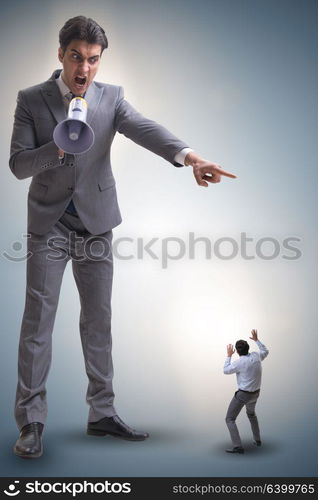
<point>65,91</point>
<point>248,369</point>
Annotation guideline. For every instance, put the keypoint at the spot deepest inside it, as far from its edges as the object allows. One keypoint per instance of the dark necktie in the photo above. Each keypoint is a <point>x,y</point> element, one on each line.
<point>70,207</point>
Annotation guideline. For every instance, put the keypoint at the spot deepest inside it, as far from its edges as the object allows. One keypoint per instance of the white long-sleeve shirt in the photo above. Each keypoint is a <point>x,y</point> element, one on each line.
<point>248,368</point>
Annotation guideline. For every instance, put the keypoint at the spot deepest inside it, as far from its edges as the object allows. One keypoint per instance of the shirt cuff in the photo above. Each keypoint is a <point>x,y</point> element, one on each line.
<point>180,157</point>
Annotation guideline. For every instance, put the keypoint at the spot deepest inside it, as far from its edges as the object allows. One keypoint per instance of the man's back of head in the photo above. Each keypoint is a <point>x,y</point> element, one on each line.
<point>242,347</point>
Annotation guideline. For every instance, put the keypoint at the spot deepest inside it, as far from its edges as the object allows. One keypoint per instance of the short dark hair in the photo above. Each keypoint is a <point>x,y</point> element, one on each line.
<point>242,347</point>
<point>82,28</point>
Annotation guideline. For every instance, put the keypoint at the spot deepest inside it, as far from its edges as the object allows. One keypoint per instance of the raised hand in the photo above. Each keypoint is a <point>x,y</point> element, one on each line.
<point>254,335</point>
<point>230,350</point>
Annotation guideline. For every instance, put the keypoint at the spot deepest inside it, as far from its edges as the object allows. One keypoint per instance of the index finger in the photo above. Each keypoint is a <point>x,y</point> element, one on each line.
<point>226,174</point>
<point>212,168</point>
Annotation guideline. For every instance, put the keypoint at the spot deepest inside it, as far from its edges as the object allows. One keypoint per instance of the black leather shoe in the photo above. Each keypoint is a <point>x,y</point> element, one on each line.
<point>114,426</point>
<point>29,443</point>
<point>257,443</point>
<point>236,449</point>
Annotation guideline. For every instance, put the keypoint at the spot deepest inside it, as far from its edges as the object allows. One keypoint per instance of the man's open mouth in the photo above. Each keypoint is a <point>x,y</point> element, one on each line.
<point>80,80</point>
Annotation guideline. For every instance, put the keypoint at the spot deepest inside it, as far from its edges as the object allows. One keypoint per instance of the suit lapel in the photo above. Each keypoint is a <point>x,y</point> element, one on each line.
<point>93,97</point>
<point>52,96</point>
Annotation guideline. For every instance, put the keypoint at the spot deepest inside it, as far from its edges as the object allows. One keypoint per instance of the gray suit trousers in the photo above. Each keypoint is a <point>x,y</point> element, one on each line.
<point>239,400</point>
<point>92,265</point>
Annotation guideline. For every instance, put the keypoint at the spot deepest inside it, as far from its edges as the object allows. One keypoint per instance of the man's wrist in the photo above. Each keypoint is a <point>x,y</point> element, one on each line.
<point>191,159</point>
<point>180,156</point>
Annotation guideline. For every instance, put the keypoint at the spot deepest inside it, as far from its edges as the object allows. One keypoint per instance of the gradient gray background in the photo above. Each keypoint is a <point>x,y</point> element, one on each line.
<point>237,80</point>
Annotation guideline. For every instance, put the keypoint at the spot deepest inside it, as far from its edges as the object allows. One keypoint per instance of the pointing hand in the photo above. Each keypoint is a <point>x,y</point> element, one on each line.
<point>205,171</point>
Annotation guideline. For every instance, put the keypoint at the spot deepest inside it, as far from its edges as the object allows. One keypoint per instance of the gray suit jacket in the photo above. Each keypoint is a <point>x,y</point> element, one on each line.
<point>86,178</point>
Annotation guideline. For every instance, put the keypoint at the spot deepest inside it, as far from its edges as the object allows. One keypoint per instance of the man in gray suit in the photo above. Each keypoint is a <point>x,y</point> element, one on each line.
<point>72,208</point>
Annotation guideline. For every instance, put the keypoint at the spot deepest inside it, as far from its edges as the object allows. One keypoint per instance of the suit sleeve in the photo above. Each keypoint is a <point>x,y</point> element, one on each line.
<point>26,158</point>
<point>145,132</point>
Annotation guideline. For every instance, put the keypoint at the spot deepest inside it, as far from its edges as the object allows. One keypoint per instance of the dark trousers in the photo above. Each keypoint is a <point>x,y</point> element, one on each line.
<point>239,400</point>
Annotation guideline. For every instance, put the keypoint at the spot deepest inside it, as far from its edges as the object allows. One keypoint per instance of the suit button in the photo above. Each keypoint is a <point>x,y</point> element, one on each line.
<point>70,188</point>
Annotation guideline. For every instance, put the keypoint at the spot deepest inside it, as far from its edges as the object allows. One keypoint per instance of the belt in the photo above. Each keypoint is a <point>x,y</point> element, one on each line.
<point>250,392</point>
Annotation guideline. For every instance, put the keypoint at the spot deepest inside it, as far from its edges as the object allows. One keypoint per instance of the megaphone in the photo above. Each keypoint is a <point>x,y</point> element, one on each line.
<point>74,135</point>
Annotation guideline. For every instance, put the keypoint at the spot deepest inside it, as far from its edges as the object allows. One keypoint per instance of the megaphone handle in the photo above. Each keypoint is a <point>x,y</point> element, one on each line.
<point>61,154</point>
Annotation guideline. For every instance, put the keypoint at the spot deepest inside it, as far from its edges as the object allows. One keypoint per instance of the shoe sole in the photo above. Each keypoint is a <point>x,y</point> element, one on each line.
<point>27,456</point>
<point>235,452</point>
<point>103,433</point>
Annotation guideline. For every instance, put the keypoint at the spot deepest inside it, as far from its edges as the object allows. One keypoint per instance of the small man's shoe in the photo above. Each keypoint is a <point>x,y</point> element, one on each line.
<point>29,443</point>
<point>236,449</point>
<point>114,426</point>
<point>257,443</point>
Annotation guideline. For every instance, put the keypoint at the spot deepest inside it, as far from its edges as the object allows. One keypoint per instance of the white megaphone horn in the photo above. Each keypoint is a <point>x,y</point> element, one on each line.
<point>74,135</point>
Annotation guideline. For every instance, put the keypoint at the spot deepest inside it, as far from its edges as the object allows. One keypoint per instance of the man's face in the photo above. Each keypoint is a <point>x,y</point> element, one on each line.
<point>80,64</point>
